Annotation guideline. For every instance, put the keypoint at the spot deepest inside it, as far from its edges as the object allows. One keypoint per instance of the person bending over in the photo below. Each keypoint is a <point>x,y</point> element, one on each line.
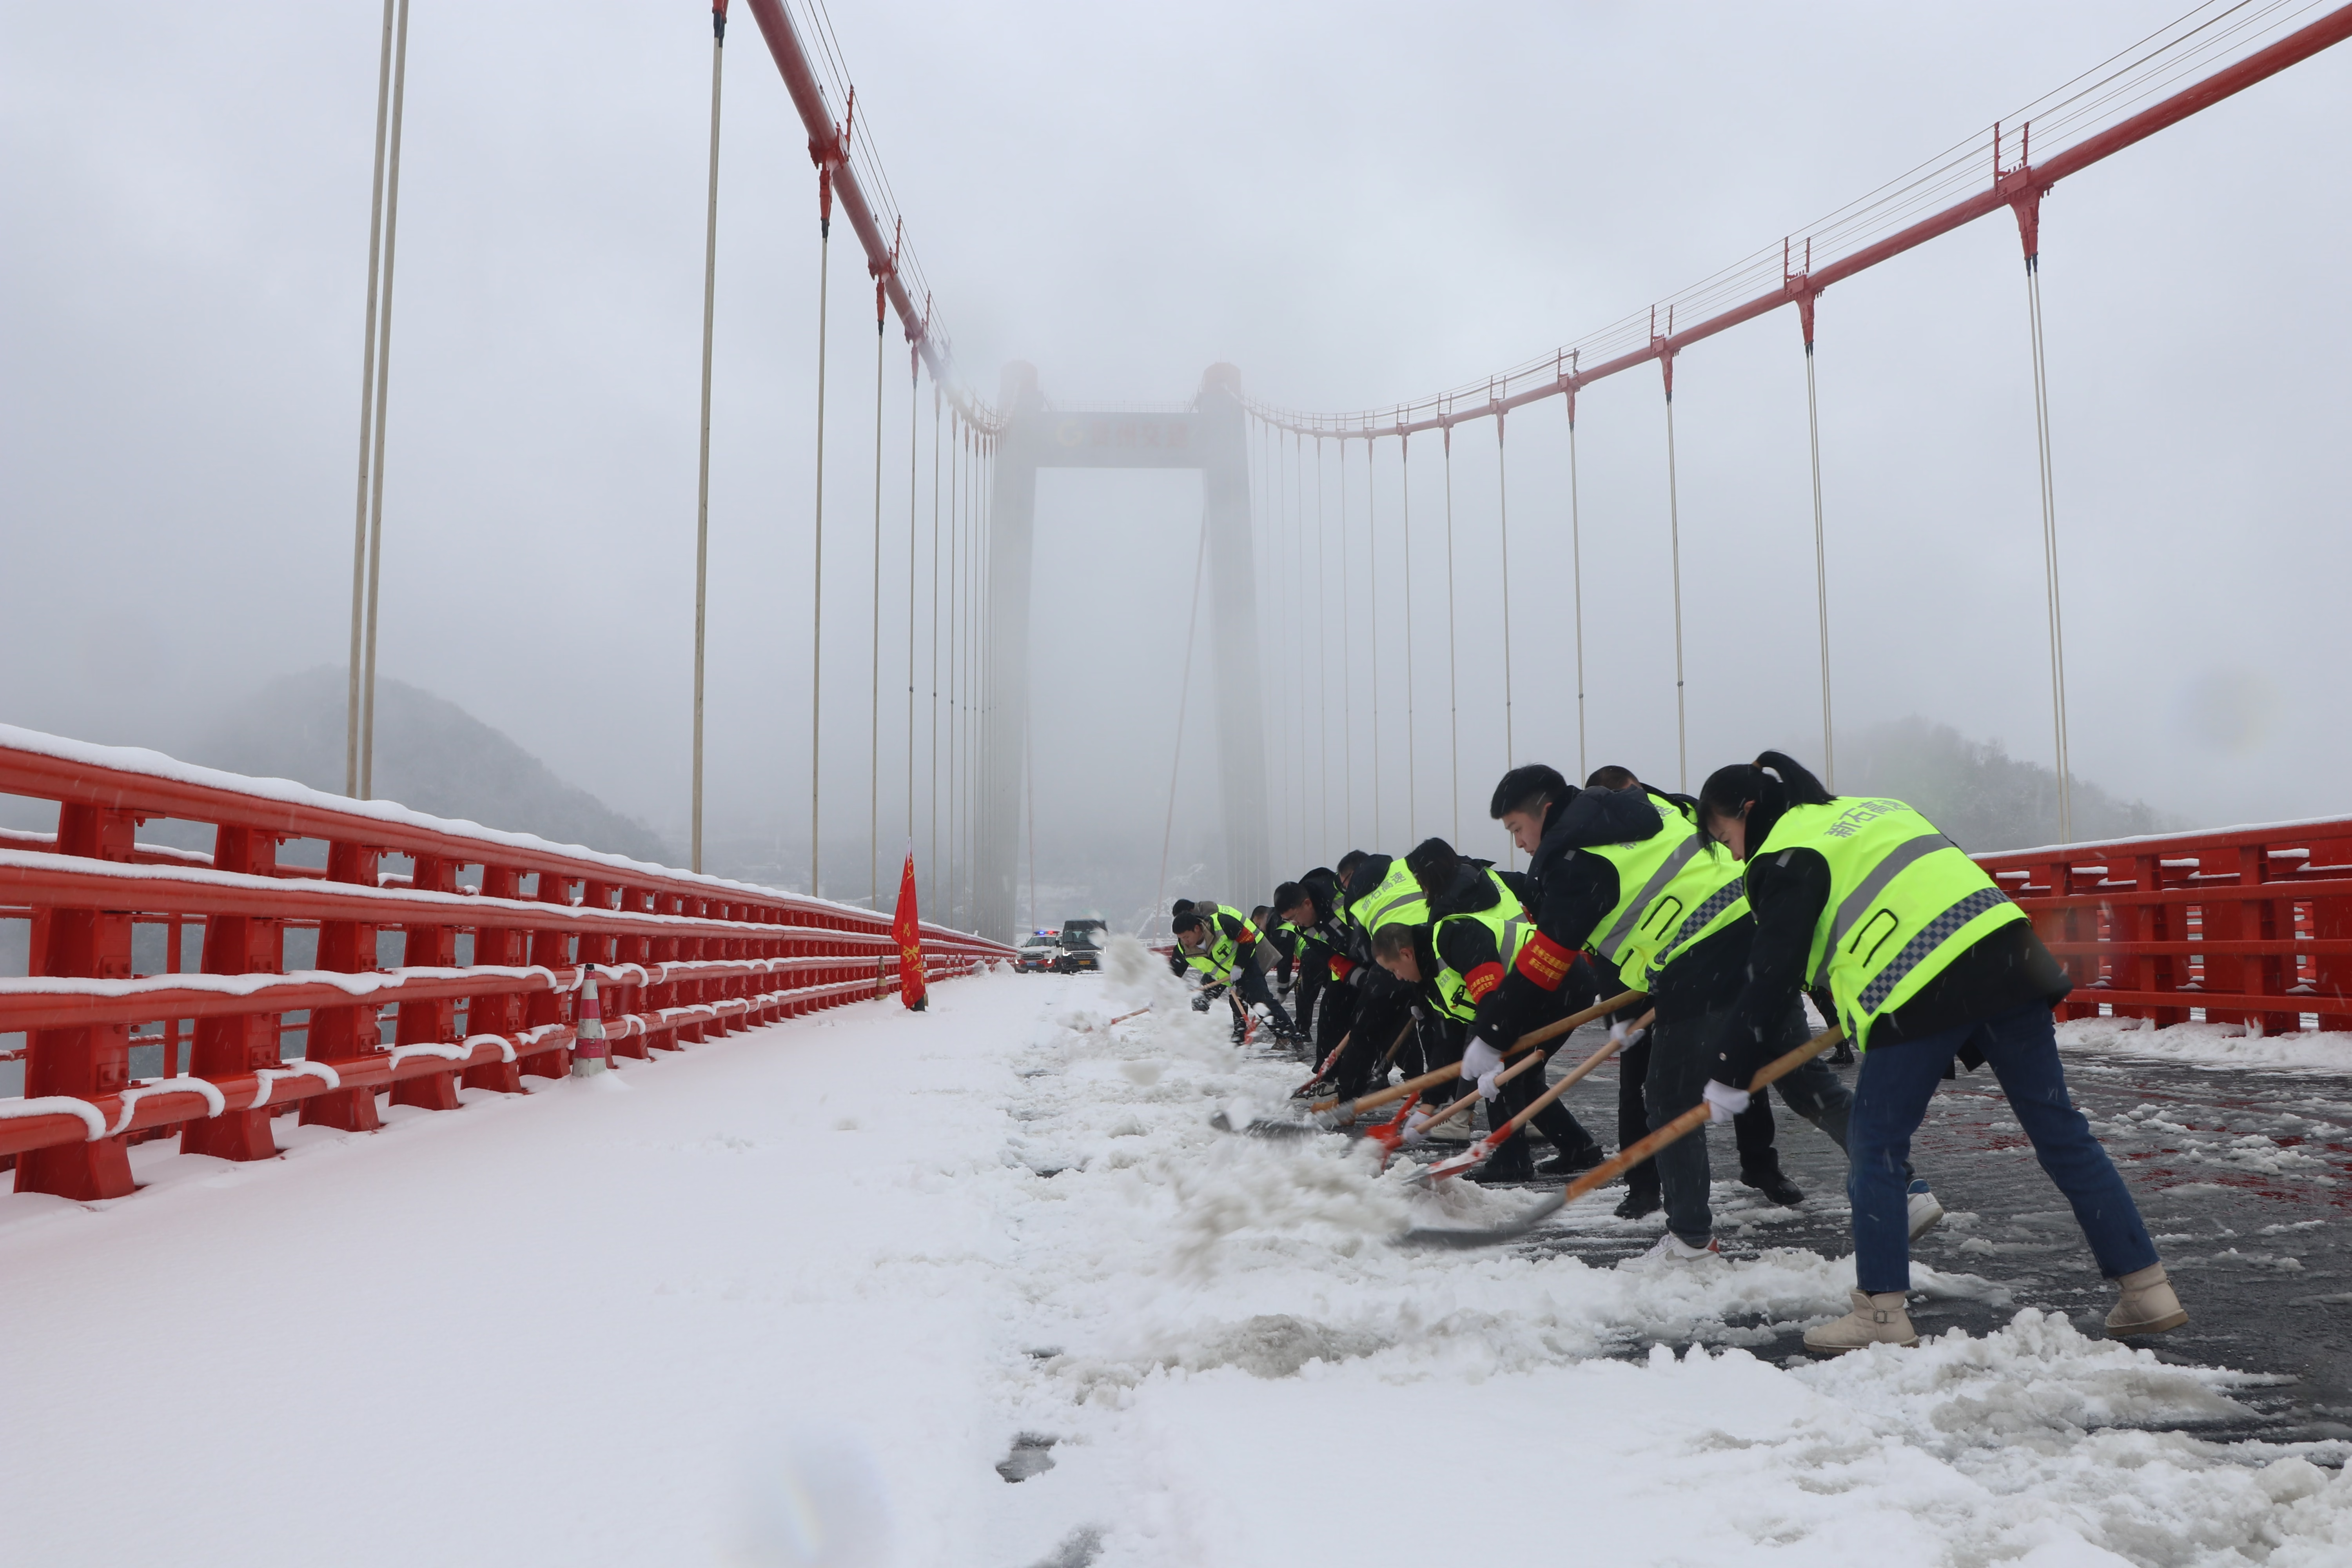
<point>1458,959</point>
<point>1221,945</point>
<point>1925,960</point>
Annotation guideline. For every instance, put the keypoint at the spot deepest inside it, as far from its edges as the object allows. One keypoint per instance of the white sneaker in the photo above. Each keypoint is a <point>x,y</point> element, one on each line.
<point>1673,1248</point>
<point>1926,1214</point>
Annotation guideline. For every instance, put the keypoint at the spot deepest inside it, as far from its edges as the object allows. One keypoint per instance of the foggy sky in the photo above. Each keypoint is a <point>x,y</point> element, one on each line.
<point>1355,205</point>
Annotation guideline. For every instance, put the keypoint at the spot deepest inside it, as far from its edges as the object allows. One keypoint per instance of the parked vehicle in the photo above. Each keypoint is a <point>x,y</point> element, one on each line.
<point>1082,946</point>
<point>1038,955</point>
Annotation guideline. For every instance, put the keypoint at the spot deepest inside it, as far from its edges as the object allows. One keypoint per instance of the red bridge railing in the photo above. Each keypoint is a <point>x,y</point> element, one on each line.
<point>2249,925</point>
<point>494,931</point>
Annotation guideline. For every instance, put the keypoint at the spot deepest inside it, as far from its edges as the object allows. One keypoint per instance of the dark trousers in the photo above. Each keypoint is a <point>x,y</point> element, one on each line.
<point>1555,1121</point>
<point>1333,1022</point>
<point>1679,1068</point>
<point>1312,979</point>
<point>1376,1027</point>
<point>1752,1129</point>
<point>1891,1095</point>
<point>1249,979</point>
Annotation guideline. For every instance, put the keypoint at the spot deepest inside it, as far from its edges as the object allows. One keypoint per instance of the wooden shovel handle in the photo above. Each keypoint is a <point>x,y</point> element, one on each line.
<point>1568,1080</point>
<point>1697,1117</point>
<point>1526,1042</point>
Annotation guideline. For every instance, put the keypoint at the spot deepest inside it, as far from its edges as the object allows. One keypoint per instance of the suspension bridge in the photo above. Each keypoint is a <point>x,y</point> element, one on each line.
<point>307,1113</point>
<point>1272,470</point>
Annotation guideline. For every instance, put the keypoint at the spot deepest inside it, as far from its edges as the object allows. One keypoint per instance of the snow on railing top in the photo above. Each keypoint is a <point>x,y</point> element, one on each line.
<point>164,769</point>
<point>2316,827</point>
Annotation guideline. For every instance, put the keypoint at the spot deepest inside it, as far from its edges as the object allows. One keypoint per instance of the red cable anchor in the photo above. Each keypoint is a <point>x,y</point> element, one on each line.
<point>826,160</point>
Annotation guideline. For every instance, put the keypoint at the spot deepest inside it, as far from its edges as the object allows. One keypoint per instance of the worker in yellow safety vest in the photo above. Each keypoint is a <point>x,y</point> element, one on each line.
<point>1219,944</point>
<point>1925,960</point>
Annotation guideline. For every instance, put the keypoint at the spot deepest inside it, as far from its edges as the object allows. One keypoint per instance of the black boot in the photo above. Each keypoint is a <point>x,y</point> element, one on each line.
<point>1773,1183</point>
<point>1641,1200</point>
<point>1842,1055</point>
<point>1510,1164</point>
<point>1571,1161</point>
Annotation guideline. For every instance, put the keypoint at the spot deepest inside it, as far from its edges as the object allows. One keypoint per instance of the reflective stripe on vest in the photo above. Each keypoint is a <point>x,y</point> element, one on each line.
<point>1852,907</point>
<point>1903,903</point>
<point>1682,888</point>
<point>1399,898</point>
<point>1512,926</point>
<point>1722,907</point>
<point>1216,961</point>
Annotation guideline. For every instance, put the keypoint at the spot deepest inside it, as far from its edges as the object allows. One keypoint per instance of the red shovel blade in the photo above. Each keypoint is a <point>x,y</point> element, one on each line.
<point>1470,1159</point>
<point>1389,1133</point>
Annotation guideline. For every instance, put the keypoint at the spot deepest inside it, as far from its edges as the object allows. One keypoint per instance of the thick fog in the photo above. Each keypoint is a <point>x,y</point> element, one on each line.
<point>1354,205</point>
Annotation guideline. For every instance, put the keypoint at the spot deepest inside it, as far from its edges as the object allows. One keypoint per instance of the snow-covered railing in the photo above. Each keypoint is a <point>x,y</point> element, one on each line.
<point>2246,925</point>
<point>495,932</point>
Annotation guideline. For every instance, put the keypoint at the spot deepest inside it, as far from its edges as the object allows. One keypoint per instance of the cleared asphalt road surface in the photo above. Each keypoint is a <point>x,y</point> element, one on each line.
<point>2245,1178</point>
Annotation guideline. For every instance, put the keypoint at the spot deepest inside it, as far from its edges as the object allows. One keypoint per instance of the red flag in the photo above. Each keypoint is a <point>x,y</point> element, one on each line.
<point>907,928</point>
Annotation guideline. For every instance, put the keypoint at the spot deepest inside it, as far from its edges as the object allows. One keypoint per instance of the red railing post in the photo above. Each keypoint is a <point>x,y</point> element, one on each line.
<point>249,1042</point>
<point>661,997</point>
<point>501,1012</point>
<point>697,990</point>
<point>735,959</point>
<point>432,1021</point>
<point>93,1060</point>
<point>340,1034</point>
<point>551,949</point>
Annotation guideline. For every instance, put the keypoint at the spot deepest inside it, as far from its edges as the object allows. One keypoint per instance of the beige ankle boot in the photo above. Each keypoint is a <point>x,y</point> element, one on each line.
<point>2147,1305</point>
<point>1875,1320</point>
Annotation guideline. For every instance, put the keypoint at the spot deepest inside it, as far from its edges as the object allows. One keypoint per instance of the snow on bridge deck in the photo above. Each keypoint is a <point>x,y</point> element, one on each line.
<point>794,1296</point>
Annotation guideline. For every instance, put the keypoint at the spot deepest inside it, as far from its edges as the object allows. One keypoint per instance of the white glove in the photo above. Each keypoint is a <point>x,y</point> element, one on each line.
<point>1489,1085</point>
<point>1724,1100</point>
<point>1412,1130</point>
<point>1479,1060</point>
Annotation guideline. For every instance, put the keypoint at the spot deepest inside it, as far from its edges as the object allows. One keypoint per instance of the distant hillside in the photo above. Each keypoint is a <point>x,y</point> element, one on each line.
<point>430,755</point>
<point>1979,794</point>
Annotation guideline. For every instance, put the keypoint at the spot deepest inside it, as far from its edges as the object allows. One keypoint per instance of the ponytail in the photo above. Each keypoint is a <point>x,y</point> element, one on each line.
<point>1802,788</point>
<point>1764,789</point>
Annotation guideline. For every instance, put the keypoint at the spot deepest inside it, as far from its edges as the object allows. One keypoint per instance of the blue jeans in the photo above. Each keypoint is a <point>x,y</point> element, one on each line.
<point>1890,1096</point>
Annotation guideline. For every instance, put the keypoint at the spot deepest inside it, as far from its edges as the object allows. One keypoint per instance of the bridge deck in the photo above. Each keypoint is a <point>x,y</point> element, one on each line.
<point>861,1270</point>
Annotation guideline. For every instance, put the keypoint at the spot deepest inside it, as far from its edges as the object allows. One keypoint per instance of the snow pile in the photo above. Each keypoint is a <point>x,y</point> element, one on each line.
<point>2215,1046</point>
<point>1236,1362</point>
<point>983,1286</point>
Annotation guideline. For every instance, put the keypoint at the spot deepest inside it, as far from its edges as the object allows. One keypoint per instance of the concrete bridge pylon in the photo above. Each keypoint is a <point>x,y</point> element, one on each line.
<point>1211,437</point>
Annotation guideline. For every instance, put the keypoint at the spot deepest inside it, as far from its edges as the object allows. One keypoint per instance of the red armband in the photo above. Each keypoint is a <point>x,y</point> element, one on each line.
<point>1482,980</point>
<point>1545,961</point>
<point>1342,967</point>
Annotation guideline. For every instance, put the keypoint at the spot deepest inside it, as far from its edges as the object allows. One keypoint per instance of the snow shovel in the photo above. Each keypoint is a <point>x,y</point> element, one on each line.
<point>1391,1133</point>
<point>1478,1154</point>
<point>1348,1110</point>
<point>1304,1089</point>
<point>1457,1107</point>
<point>1388,1135</point>
<point>1609,1170</point>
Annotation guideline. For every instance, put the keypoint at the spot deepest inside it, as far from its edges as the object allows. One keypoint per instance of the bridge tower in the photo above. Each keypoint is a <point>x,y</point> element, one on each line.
<point>1211,437</point>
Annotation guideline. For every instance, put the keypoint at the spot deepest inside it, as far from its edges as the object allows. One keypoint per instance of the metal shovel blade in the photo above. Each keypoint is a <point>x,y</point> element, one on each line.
<point>1263,1129</point>
<point>1499,1236</point>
